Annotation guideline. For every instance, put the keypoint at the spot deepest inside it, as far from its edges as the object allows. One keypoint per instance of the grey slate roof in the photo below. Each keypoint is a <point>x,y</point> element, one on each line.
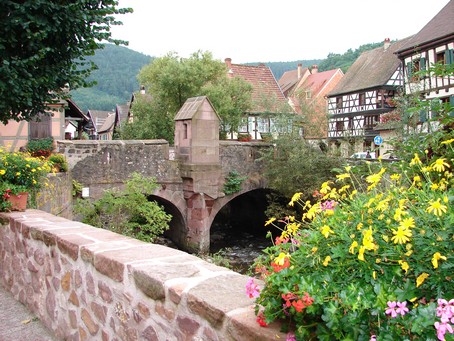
<point>372,69</point>
<point>441,25</point>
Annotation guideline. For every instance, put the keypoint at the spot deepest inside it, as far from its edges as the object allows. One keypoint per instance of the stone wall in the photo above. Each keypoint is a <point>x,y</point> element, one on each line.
<point>86,283</point>
<point>105,164</point>
<point>56,197</point>
<point>244,157</point>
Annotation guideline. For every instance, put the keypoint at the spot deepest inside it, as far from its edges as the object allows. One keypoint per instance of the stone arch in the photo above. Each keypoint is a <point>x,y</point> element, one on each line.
<point>174,205</point>
<point>248,203</point>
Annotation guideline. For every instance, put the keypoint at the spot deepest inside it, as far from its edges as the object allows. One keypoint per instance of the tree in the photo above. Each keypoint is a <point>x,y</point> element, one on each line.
<point>171,80</point>
<point>42,49</point>
<point>289,167</point>
<point>231,97</point>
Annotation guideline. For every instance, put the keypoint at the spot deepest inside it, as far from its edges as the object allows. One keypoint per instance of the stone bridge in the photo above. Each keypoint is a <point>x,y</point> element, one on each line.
<point>189,189</point>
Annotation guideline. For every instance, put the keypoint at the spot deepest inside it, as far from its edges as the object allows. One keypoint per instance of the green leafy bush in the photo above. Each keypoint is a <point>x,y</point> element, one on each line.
<point>59,162</point>
<point>40,147</point>
<point>233,182</point>
<point>128,212</point>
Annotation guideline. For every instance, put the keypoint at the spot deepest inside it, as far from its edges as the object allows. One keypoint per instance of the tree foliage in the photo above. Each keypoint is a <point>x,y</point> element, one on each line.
<point>290,166</point>
<point>231,98</point>
<point>345,60</point>
<point>128,211</point>
<point>171,80</point>
<point>42,49</point>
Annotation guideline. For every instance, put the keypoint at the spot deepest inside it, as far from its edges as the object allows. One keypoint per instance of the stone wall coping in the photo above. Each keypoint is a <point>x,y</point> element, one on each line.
<point>187,291</point>
<point>81,143</point>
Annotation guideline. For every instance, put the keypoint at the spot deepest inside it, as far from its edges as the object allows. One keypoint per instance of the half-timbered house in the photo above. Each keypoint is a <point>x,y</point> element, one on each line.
<point>63,120</point>
<point>267,98</point>
<point>434,43</point>
<point>362,96</point>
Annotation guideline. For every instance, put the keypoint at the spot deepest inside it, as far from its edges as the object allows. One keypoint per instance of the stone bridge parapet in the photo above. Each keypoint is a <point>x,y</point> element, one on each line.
<point>87,283</point>
<point>195,190</point>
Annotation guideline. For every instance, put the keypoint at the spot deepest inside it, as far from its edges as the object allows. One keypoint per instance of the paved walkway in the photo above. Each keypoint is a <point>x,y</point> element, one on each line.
<point>19,324</point>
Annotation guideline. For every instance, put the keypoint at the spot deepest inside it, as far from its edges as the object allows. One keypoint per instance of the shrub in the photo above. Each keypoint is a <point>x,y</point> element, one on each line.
<point>59,162</point>
<point>233,182</point>
<point>366,265</point>
<point>128,212</point>
<point>40,147</point>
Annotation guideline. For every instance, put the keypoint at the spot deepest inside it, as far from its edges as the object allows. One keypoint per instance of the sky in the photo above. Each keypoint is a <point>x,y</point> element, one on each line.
<point>266,30</point>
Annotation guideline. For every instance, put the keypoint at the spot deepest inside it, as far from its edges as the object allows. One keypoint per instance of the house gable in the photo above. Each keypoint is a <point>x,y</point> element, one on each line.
<point>264,85</point>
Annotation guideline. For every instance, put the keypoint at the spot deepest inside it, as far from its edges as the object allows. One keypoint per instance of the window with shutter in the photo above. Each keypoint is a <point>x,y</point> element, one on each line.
<point>409,70</point>
<point>451,103</point>
<point>449,56</point>
<point>422,64</point>
<point>422,116</point>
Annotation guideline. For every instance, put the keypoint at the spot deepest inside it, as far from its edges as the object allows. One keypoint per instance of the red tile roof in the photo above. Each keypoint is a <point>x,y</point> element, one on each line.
<point>263,82</point>
<point>316,82</point>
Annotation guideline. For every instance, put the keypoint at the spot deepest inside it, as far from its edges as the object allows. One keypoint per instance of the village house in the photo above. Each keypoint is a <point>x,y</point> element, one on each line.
<point>434,43</point>
<point>64,120</point>
<point>306,91</point>
<point>267,97</point>
<point>361,99</point>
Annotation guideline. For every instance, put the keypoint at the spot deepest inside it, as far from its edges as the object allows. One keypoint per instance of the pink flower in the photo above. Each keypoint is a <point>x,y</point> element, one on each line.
<point>252,289</point>
<point>290,337</point>
<point>402,308</point>
<point>445,311</point>
<point>328,205</point>
<point>442,328</point>
<point>391,309</point>
<point>373,338</point>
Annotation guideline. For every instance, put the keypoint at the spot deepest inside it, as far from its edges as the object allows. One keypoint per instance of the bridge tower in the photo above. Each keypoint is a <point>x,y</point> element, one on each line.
<point>197,151</point>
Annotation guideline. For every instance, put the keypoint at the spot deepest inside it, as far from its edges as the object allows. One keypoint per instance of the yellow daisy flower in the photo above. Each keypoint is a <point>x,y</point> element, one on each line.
<point>401,235</point>
<point>436,257</point>
<point>436,207</point>
<point>440,165</point>
<point>421,278</point>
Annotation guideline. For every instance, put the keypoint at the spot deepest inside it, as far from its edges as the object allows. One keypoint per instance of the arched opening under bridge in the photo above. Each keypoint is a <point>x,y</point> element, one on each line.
<point>177,226</point>
<point>238,231</point>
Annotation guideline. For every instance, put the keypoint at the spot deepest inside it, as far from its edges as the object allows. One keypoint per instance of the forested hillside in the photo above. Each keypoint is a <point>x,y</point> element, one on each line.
<point>345,60</point>
<point>116,79</point>
<point>118,68</point>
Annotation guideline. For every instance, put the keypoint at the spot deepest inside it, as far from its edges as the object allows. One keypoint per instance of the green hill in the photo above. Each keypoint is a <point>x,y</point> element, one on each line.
<point>118,67</point>
<point>115,78</point>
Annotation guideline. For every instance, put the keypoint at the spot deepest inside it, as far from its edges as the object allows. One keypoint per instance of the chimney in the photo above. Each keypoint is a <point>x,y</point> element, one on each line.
<point>300,71</point>
<point>386,43</point>
<point>314,69</point>
<point>228,62</point>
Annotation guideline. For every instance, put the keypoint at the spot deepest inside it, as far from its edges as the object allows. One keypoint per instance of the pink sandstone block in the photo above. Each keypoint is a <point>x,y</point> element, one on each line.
<point>242,325</point>
<point>214,304</point>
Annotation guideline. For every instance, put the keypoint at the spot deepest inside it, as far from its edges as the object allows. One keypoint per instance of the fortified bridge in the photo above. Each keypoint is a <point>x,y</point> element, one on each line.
<point>191,175</point>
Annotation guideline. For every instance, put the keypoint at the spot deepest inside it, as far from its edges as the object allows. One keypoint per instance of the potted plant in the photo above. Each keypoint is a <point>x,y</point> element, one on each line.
<point>40,147</point>
<point>244,137</point>
<point>58,163</point>
<point>20,174</point>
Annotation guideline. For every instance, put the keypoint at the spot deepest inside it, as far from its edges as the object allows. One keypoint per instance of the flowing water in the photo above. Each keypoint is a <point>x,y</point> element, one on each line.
<point>240,248</point>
